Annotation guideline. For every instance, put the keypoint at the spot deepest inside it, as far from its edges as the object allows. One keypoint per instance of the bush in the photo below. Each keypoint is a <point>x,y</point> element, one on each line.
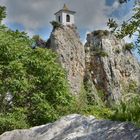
<point>118,51</point>
<point>97,51</point>
<point>101,33</point>
<point>133,88</point>
<point>30,79</point>
<point>2,13</point>
<point>55,24</point>
<point>15,120</point>
<point>100,53</point>
<point>128,109</point>
<point>129,46</point>
<point>90,103</point>
<point>42,113</point>
<point>38,42</point>
<point>98,112</point>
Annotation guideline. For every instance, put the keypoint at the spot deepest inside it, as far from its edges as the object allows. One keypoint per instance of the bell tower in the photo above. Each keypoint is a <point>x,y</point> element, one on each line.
<point>65,16</point>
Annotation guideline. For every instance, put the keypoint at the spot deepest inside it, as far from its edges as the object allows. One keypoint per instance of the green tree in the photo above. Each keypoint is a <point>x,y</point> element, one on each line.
<point>31,82</point>
<point>130,28</point>
<point>2,13</point>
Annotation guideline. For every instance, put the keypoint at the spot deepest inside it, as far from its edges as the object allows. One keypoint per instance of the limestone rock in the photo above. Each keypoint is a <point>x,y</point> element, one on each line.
<point>77,127</point>
<point>66,42</point>
<point>112,68</point>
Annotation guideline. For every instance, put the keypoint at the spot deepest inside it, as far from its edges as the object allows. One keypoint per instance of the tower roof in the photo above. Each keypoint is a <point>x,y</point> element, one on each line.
<point>65,9</point>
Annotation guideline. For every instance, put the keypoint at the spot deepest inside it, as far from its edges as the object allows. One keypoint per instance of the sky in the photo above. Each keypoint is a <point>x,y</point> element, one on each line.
<point>34,16</point>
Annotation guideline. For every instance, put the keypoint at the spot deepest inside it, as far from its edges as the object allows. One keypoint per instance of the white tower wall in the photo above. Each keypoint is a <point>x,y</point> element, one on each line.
<point>57,17</point>
<point>64,22</point>
<point>63,16</point>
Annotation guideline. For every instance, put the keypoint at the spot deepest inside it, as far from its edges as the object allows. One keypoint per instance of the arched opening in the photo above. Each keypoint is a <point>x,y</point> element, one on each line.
<point>68,18</point>
<point>59,19</point>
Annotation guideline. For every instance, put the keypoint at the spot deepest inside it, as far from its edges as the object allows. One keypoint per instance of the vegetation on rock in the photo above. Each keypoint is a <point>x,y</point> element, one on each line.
<point>129,46</point>
<point>128,109</point>
<point>55,24</point>
<point>101,33</point>
<point>117,50</point>
<point>101,53</point>
<point>128,28</point>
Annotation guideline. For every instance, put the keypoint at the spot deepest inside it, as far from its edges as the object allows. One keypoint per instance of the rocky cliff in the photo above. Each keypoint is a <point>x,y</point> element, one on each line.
<point>77,127</point>
<point>66,42</point>
<point>111,65</point>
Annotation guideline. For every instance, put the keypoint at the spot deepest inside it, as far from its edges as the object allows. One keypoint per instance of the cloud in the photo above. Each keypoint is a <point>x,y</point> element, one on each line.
<point>116,4</point>
<point>38,13</point>
<point>91,14</point>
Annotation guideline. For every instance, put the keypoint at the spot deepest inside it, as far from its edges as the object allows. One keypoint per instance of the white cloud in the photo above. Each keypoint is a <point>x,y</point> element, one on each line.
<point>34,14</point>
<point>2,2</point>
<point>116,4</point>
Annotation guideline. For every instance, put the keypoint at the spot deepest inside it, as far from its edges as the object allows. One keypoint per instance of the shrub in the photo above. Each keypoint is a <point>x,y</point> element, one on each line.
<point>38,42</point>
<point>100,53</point>
<point>101,33</point>
<point>15,120</point>
<point>128,109</point>
<point>129,46</point>
<point>97,51</point>
<point>2,13</point>
<point>133,88</point>
<point>117,50</point>
<point>80,101</point>
<point>42,113</point>
<point>98,112</point>
<point>93,96</point>
<point>29,76</point>
<point>55,24</point>
<point>89,102</point>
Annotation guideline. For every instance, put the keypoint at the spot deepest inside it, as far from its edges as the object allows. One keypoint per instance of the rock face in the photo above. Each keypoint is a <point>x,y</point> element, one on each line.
<point>77,127</point>
<point>66,42</point>
<point>112,67</point>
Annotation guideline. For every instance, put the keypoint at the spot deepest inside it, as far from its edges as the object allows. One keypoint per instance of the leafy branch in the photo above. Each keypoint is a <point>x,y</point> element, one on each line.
<point>2,13</point>
<point>130,28</point>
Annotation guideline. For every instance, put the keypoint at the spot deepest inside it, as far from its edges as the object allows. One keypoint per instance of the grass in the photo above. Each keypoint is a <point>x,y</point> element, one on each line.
<point>128,109</point>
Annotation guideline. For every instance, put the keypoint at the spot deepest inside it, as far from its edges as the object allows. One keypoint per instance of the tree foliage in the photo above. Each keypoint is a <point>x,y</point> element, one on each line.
<point>31,80</point>
<point>130,28</point>
<point>38,42</point>
<point>2,13</point>
<point>128,109</point>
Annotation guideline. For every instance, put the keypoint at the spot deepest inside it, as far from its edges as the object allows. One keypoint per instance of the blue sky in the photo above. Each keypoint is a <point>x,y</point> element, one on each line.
<point>34,16</point>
